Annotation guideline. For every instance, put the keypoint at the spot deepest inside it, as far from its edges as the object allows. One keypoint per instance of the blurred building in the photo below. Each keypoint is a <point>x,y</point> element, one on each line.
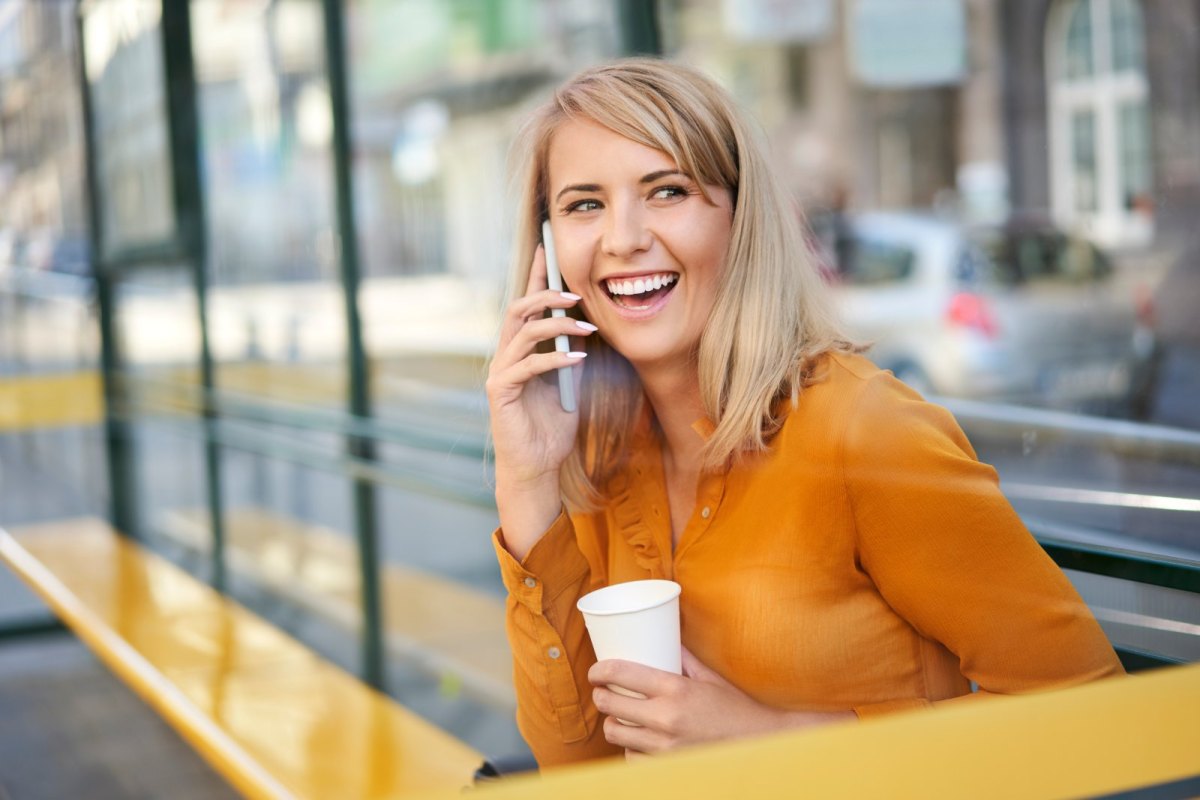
<point>868,104</point>
<point>1102,108</point>
<point>41,132</point>
<point>1086,112</point>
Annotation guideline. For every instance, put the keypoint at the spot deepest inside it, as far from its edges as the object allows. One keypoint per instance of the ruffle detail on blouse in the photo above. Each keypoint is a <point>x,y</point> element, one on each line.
<point>628,511</point>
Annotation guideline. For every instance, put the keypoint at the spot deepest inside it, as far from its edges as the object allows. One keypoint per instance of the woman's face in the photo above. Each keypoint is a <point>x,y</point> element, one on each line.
<point>637,240</point>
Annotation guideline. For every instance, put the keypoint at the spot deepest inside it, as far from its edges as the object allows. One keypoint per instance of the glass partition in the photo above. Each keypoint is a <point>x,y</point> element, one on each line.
<point>51,445</point>
<point>123,50</point>
<point>276,316</point>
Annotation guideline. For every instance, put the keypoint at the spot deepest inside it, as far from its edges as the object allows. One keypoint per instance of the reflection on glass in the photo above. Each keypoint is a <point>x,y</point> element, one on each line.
<point>439,90</point>
<point>51,442</point>
<point>276,315</point>
<point>123,48</point>
<point>159,340</point>
<point>287,538</point>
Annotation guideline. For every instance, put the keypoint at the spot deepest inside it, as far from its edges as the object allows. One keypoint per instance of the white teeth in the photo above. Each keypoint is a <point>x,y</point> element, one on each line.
<point>640,285</point>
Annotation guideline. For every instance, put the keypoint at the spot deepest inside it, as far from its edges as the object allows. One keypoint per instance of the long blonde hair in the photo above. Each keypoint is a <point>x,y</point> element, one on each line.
<point>772,318</point>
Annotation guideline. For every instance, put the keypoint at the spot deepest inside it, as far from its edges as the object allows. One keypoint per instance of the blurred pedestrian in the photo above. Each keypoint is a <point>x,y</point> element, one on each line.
<point>1176,381</point>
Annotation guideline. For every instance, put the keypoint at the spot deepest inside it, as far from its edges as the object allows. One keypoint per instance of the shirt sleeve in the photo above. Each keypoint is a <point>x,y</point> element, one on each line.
<point>950,555</point>
<point>551,649</point>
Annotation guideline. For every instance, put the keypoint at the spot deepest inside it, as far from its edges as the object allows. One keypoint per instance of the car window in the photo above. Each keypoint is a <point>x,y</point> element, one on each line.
<point>1044,257</point>
<point>869,262</point>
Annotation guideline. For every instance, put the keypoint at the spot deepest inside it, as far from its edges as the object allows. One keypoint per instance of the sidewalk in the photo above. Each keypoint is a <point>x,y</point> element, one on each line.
<point>70,729</point>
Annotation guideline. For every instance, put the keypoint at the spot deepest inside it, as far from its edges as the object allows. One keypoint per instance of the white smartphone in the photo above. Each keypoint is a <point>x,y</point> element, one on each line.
<point>566,382</point>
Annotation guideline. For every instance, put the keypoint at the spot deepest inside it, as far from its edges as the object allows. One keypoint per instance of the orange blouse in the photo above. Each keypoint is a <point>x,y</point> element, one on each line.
<point>867,561</point>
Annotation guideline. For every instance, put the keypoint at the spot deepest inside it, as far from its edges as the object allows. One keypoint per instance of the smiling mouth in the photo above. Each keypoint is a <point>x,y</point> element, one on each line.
<point>640,293</point>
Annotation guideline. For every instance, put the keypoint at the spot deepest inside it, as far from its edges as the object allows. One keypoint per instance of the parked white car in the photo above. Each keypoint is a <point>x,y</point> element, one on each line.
<point>1020,313</point>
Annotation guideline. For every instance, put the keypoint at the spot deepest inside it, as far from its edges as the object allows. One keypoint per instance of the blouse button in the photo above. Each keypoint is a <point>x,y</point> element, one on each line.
<point>554,652</point>
<point>531,582</point>
<point>706,512</point>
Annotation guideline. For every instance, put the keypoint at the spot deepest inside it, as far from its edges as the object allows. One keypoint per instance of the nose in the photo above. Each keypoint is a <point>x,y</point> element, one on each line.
<point>625,232</point>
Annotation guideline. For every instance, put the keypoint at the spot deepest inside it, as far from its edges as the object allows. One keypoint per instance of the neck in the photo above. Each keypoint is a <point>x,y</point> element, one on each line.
<point>674,394</point>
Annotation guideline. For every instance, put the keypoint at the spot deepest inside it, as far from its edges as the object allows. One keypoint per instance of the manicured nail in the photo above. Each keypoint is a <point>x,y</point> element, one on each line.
<point>587,326</point>
<point>576,354</point>
<point>570,296</point>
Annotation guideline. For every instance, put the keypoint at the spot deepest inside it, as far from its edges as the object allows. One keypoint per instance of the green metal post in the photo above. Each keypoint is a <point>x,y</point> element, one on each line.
<point>638,20</point>
<point>116,432</point>
<point>189,215</point>
<point>360,447</point>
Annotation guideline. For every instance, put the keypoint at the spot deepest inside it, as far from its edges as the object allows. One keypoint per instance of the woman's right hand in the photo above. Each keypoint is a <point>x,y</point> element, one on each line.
<point>531,434</point>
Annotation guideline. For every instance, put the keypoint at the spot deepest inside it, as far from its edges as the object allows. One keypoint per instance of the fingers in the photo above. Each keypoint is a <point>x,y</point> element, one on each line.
<point>640,740</point>
<point>506,384</point>
<point>537,272</point>
<point>526,338</point>
<point>694,668</point>
<point>533,306</point>
<point>634,677</point>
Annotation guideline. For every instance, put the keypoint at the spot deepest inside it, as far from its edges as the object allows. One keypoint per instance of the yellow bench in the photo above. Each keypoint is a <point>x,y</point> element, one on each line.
<point>273,718</point>
<point>1136,738</point>
<point>448,629</point>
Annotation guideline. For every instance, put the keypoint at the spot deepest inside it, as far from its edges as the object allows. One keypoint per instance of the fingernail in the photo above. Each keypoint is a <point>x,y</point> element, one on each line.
<point>574,354</point>
<point>587,326</point>
<point>570,296</point>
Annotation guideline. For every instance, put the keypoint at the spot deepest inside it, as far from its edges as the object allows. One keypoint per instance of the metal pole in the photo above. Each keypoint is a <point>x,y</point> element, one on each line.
<point>116,432</point>
<point>359,447</point>
<point>189,215</point>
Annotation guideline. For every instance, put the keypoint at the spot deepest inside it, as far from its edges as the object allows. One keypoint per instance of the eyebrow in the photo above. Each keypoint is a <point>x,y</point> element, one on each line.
<point>649,177</point>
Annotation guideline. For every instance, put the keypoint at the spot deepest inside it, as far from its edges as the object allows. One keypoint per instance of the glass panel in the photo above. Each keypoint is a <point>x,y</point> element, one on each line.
<point>51,444</point>
<point>439,91</point>
<point>1079,40</point>
<point>123,41</point>
<point>290,543</point>
<point>1152,619</point>
<point>1134,135</point>
<point>1127,35</point>
<point>158,336</point>
<point>277,318</point>
<point>1083,160</point>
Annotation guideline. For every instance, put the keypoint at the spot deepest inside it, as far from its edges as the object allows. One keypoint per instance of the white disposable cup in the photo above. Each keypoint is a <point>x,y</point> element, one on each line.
<point>636,621</point>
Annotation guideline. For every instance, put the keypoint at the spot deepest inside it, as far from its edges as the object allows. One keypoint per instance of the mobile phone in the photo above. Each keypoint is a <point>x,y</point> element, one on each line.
<point>566,382</point>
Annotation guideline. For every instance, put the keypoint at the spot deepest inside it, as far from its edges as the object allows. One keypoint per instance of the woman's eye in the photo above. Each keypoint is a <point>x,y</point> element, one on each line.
<point>668,192</point>
<point>583,205</point>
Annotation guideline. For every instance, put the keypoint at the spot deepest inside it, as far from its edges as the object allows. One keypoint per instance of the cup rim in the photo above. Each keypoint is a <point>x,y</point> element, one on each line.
<point>671,588</point>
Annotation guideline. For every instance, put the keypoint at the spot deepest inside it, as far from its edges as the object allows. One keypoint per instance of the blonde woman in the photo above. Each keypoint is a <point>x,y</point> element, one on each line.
<point>842,552</point>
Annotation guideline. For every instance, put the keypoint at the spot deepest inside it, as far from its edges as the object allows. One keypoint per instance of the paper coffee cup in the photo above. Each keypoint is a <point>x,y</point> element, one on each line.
<point>636,621</point>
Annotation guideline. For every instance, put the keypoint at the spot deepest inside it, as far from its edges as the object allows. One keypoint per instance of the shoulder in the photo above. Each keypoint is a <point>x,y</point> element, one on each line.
<point>857,410</point>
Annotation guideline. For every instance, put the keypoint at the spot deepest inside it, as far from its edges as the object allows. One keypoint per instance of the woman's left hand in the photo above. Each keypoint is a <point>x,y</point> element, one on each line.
<point>680,710</point>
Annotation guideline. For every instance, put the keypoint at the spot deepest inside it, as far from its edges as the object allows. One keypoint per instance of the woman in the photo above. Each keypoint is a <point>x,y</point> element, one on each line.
<point>842,553</point>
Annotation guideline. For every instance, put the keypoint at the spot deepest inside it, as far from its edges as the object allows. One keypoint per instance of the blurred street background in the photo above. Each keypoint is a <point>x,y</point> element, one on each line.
<point>241,295</point>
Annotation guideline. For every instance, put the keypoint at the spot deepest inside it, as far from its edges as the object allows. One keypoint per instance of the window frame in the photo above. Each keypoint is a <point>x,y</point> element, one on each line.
<point>1103,93</point>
